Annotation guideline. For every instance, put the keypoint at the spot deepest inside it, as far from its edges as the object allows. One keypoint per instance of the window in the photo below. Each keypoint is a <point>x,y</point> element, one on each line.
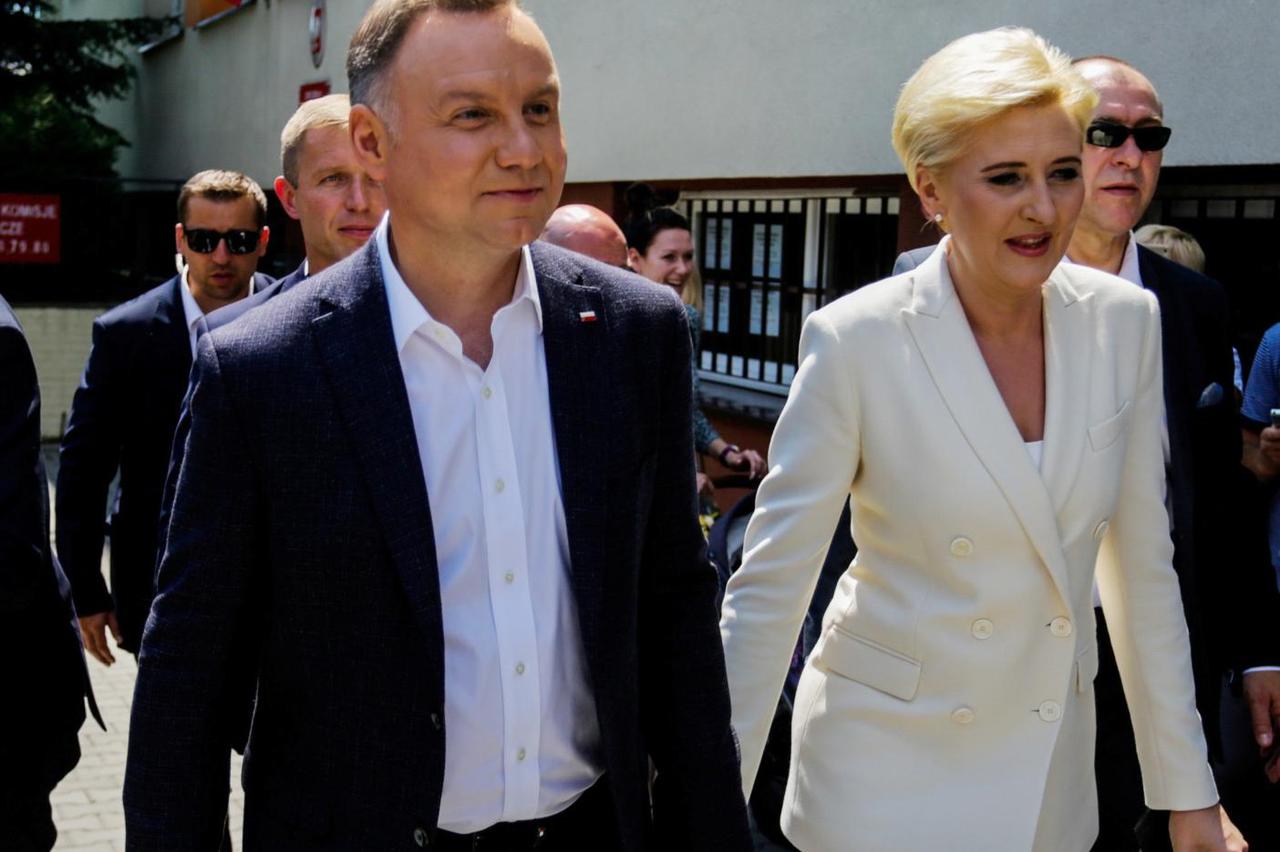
<point>768,261</point>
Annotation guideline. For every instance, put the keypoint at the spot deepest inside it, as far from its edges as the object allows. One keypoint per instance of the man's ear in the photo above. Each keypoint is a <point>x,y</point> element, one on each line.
<point>286,192</point>
<point>371,140</point>
<point>264,239</point>
<point>177,238</point>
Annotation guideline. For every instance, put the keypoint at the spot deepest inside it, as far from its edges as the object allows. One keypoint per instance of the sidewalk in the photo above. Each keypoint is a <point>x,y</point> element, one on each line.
<point>87,806</point>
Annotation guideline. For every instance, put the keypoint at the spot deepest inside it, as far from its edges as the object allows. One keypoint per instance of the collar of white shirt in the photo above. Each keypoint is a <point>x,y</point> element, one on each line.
<point>1129,269</point>
<point>408,314</point>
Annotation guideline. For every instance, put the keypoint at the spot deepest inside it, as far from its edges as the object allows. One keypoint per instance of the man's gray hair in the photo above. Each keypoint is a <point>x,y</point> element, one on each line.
<point>380,34</point>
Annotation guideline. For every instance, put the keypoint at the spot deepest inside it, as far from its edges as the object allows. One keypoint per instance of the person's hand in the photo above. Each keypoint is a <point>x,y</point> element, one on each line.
<point>1205,830</point>
<point>1262,694</point>
<point>1269,443</point>
<point>705,489</point>
<point>94,630</point>
<point>750,462</point>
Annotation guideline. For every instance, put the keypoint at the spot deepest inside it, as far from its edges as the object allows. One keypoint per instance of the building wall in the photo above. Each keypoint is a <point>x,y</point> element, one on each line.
<point>718,88</point>
<point>59,338</point>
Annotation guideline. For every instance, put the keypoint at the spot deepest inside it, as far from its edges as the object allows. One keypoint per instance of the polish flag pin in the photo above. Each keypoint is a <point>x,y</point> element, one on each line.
<point>587,316</point>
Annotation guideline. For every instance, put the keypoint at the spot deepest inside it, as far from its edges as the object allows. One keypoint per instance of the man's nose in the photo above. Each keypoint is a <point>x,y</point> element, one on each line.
<point>1128,155</point>
<point>358,194</point>
<point>519,147</point>
<point>221,254</point>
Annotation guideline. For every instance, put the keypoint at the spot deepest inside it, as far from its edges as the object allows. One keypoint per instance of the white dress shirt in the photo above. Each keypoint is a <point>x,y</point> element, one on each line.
<point>521,734</point>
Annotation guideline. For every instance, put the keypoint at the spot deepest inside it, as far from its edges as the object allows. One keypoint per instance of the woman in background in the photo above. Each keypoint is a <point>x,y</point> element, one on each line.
<point>660,247</point>
<point>995,418</point>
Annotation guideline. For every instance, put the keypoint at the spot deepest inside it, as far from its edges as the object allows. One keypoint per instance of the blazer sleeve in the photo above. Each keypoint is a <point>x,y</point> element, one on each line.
<point>685,699</point>
<point>186,702</point>
<point>1143,605</point>
<point>813,459</point>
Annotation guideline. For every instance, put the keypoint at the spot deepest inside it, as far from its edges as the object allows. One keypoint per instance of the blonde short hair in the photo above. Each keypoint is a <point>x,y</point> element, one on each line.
<point>328,111</point>
<point>1174,243</point>
<point>975,79</point>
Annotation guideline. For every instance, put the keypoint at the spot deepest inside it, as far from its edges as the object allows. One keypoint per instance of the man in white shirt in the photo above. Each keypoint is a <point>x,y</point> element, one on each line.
<point>471,584</point>
<point>126,408</point>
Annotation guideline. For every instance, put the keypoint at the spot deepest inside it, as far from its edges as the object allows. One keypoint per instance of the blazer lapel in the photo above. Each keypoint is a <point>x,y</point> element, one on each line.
<point>941,332</point>
<point>574,326</point>
<point>354,340</point>
<point>1068,361</point>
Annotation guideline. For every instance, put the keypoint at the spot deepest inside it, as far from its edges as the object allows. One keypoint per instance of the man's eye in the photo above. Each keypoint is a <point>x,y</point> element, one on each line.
<point>1004,179</point>
<point>470,115</point>
<point>540,109</point>
<point>335,179</point>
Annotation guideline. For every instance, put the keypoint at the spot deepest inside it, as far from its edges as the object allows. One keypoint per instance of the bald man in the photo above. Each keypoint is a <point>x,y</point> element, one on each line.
<point>587,230</point>
<point>1220,550</point>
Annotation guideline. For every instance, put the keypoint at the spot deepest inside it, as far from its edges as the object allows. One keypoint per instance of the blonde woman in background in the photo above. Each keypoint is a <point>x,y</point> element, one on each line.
<point>1174,243</point>
<point>994,417</point>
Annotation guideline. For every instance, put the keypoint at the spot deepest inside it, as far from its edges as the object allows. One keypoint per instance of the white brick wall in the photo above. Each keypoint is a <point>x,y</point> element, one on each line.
<point>59,339</point>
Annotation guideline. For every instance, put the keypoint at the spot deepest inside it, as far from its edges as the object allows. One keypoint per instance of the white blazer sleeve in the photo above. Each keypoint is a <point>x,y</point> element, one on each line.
<point>813,458</point>
<point>1141,600</point>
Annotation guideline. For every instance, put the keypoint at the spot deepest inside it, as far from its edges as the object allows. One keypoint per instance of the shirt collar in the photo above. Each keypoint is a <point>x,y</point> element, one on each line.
<point>1130,270</point>
<point>408,314</point>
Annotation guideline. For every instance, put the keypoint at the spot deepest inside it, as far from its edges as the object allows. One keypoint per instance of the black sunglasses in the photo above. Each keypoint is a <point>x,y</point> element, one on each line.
<point>1107,134</point>
<point>239,241</point>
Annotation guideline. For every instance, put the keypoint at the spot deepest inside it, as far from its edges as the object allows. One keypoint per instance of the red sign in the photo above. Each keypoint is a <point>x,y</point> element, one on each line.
<point>311,91</point>
<point>30,228</point>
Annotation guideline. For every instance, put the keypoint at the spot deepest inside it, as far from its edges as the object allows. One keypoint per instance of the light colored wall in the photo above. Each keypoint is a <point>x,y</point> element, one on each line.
<point>59,338</point>
<point>721,88</point>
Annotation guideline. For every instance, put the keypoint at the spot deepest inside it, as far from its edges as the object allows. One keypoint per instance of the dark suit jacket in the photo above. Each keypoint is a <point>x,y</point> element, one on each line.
<point>234,311</point>
<point>46,682</point>
<point>122,418</point>
<point>312,561</point>
<point>1220,539</point>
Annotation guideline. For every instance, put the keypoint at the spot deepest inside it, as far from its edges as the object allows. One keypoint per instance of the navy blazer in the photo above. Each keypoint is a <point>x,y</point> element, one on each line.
<point>122,418</point>
<point>46,680</point>
<point>235,310</point>
<point>1220,540</point>
<point>311,563</point>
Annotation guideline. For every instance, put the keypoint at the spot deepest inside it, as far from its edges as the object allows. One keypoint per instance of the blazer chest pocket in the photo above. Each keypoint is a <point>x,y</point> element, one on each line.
<point>869,663</point>
<point>1104,434</point>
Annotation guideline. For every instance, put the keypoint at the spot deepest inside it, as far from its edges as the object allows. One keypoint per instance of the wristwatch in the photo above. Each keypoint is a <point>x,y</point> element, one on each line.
<point>729,448</point>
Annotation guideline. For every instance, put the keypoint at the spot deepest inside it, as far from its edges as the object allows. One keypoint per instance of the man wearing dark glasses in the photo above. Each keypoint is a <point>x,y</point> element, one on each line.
<point>126,409</point>
<point>1220,547</point>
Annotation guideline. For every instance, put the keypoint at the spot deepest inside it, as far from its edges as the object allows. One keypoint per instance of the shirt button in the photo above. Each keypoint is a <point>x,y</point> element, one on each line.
<point>961,546</point>
<point>520,754</point>
<point>1100,531</point>
<point>509,577</point>
<point>1050,711</point>
<point>1060,627</point>
<point>519,668</point>
<point>962,715</point>
<point>499,486</point>
<point>435,721</point>
<point>420,838</point>
<point>487,392</point>
<point>982,629</point>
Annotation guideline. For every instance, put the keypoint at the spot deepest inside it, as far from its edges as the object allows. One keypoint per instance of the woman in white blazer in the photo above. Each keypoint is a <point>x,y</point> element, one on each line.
<point>996,419</point>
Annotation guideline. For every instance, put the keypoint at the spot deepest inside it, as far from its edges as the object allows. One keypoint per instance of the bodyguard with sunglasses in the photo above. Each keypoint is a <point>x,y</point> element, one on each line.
<point>126,409</point>
<point>1220,546</point>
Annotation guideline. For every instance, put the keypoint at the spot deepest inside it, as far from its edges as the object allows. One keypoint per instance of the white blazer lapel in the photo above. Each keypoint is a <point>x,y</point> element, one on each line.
<point>942,334</point>
<point>1068,356</point>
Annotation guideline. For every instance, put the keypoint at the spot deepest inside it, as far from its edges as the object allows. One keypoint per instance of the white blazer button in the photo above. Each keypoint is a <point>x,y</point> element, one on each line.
<point>961,546</point>
<point>962,715</point>
<point>1050,711</point>
<point>982,629</point>
<point>1060,627</point>
<point>1100,531</point>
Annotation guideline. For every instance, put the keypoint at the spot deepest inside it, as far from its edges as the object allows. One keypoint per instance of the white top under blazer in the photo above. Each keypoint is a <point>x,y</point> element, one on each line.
<point>949,702</point>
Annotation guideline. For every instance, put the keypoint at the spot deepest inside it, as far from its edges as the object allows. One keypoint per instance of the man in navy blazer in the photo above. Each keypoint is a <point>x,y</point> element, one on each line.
<point>45,677</point>
<point>470,586</point>
<point>124,413</point>
<point>326,189</point>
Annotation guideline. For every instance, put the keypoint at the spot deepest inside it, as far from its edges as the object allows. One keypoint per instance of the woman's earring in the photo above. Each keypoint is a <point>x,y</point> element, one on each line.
<point>937,217</point>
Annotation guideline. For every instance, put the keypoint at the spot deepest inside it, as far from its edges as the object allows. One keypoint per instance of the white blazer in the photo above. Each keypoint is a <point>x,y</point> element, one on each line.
<point>949,702</point>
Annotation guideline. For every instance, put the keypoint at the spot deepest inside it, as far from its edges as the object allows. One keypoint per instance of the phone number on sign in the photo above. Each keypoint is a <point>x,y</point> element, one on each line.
<point>24,247</point>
